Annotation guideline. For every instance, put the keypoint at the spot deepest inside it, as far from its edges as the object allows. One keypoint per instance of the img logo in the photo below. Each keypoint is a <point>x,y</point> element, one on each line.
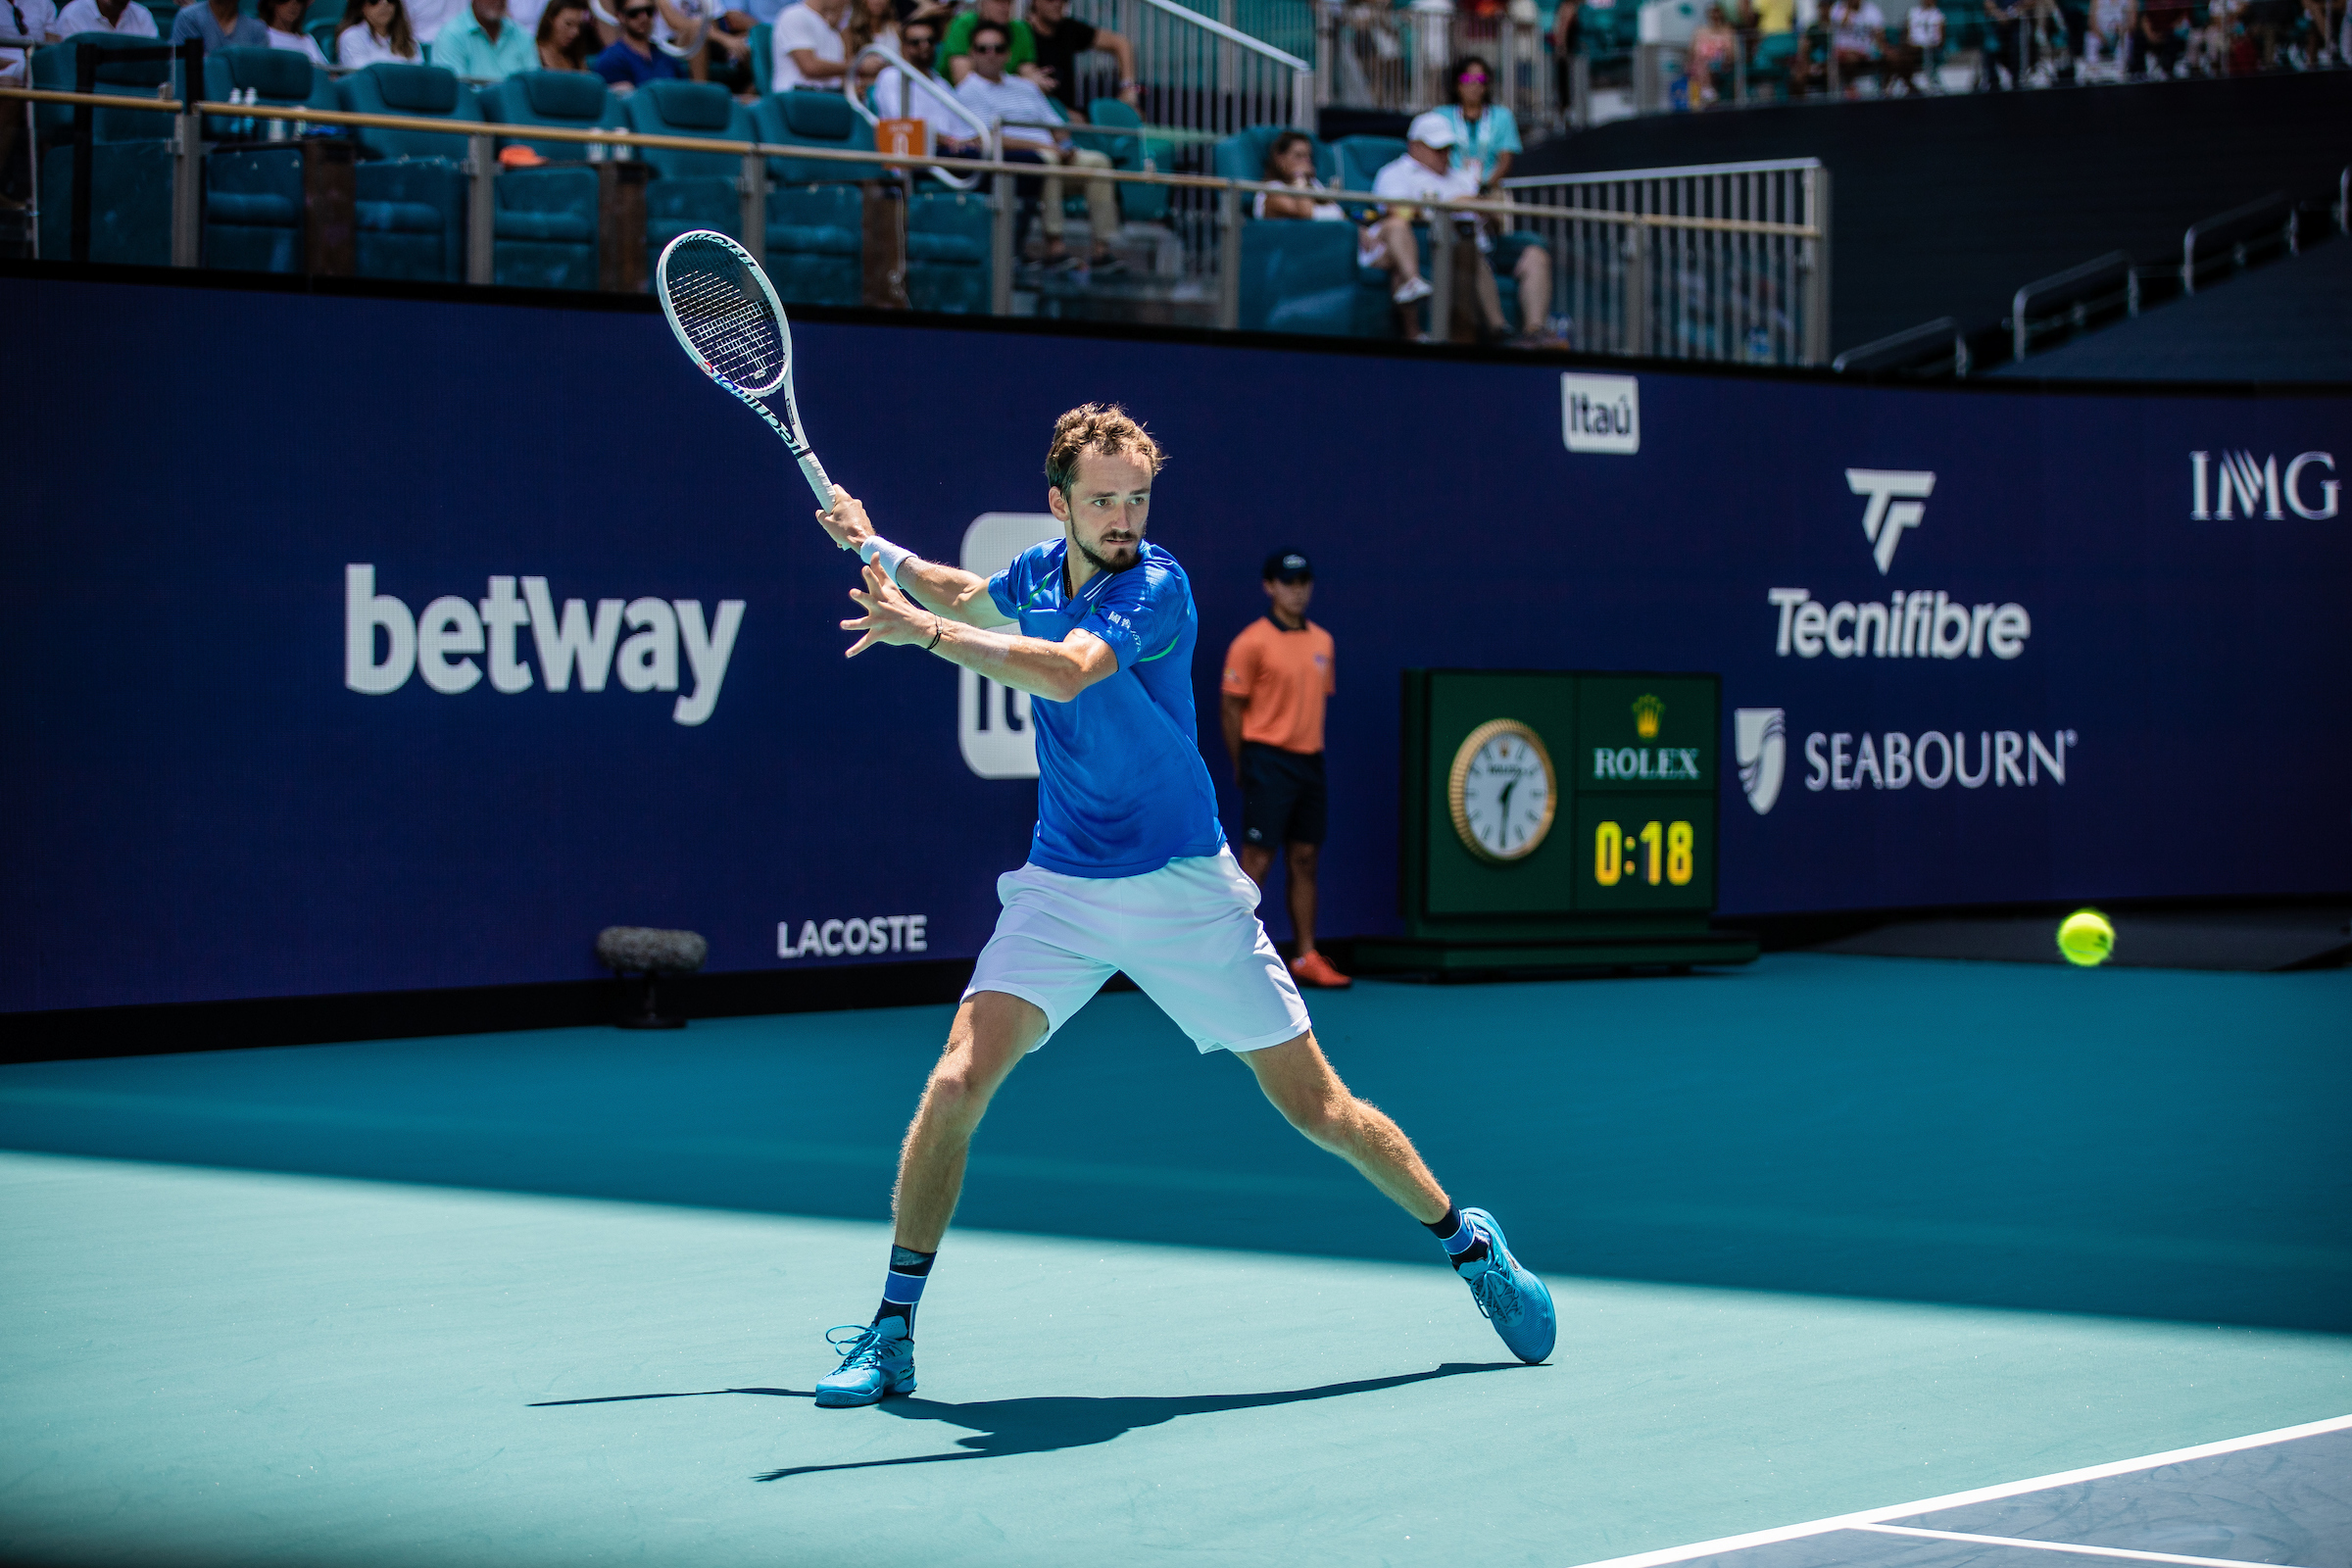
<point>2235,484</point>
<point>1602,412</point>
<point>1760,745</point>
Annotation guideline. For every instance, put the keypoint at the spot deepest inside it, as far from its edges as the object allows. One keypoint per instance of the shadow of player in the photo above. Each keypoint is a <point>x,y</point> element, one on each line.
<point>1004,1428</point>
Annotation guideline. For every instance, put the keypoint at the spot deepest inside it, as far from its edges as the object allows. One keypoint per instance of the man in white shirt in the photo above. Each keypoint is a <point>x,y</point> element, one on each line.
<point>1858,29</point>
<point>808,45</point>
<point>121,17</point>
<point>1032,135</point>
<point>897,98</point>
<point>1426,173</point>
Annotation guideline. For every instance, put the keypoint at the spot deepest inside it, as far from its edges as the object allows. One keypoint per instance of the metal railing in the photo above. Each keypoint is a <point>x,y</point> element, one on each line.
<point>1630,248</point>
<point>1725,261</point>
<point>1369,55</point>
<point>1197,73</point>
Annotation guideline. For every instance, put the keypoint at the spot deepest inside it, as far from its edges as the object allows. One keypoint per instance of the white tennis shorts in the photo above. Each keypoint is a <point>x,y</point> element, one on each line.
<point>1188,934</point>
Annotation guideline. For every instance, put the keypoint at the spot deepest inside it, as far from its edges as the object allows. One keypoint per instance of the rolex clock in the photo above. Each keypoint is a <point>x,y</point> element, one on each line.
<point>1501,791</point>
<point>1555,819</point>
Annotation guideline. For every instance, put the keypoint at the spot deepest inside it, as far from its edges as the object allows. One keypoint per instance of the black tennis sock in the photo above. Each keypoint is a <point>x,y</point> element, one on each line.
<point>1460,1239</point>
<point>903,1286</point>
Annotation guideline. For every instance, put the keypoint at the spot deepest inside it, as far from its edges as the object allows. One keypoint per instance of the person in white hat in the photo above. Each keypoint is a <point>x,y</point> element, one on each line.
<point>1426,173</point>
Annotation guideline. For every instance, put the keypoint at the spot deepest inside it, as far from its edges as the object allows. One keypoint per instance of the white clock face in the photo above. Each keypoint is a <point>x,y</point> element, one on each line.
<point>1505,794</point>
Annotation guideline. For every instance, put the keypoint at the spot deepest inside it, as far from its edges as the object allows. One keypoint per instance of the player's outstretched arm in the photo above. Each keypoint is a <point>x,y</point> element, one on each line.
<point>943,590</point>
<point>1055,672</point>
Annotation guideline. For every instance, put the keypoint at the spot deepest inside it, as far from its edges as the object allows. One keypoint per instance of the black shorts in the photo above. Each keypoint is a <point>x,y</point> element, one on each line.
<point>1282,799</point>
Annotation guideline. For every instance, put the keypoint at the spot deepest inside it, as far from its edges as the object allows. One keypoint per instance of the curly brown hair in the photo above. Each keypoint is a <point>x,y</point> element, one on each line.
<point>1101,427</point>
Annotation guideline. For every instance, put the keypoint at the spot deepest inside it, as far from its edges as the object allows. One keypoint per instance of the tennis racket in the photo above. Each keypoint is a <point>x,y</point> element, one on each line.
<point>729,320</point>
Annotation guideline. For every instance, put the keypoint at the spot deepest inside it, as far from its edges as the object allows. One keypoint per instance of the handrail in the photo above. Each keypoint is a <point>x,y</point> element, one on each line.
<point>931,89</point>
<point>1761,165</point>
<point>1232,35</point>
<point>487,129</point>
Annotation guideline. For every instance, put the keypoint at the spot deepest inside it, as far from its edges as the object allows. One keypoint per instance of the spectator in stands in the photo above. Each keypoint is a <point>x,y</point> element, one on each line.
<point>633,60</point>
<point>1857,32</point>
<point>123,18</point>
<point>2159,38</point>
<point>1567,40</point>
<point>1486,136</point>
<point>563,36</point>
<point>990,92</point>
<point>1291,161</point>
<point>2108,30</point>
<point>1915,62</point>
<point>2005,43</point>
<point>284,19</point>
<point>897,98</point>
<point>955,46</point>
<point>220,23</point>
<point>870,19</point>
<point>1060,40</point>
<point>1774,17</point>
<point>28,18</point>
<point>375,33</point>
<point>2331,26</point>
<point>1713,50</point>
<point>481,44</point>
<point>2267,22</point>
<point>808,45</point>
<point>1279,674</point>
<point>703,35</point>
<point>1426,173</point>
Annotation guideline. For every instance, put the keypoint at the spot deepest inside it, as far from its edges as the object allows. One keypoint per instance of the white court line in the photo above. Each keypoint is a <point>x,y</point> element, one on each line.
<point>2011,1489</point>
<point>2070,1547</point>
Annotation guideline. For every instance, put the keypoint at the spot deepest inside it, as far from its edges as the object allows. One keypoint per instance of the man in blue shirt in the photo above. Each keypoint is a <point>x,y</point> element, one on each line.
<point>221,24</point>
<point>1128,870</point>
<point>633,56</point>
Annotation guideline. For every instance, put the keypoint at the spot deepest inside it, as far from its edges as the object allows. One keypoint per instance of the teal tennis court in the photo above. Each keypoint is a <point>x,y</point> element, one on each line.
<point>1832,1239</point>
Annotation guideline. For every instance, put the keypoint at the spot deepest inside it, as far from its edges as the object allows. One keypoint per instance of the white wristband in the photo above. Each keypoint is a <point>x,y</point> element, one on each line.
<point>892,556</point>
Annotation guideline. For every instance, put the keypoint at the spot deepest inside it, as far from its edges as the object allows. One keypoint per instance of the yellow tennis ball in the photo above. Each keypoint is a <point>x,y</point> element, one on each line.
<point>2085,938</point>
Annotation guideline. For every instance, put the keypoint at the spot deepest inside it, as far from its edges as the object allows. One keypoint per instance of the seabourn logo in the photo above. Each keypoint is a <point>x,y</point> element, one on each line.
<point>1895,760</point>
<point>1760,746</point>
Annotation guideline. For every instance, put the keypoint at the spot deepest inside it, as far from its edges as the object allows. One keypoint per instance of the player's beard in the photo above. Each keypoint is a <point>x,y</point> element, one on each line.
<point>1133,548</point>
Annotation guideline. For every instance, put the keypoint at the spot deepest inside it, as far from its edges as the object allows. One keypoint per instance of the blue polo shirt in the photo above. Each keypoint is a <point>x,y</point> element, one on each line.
<point>1121,789</point>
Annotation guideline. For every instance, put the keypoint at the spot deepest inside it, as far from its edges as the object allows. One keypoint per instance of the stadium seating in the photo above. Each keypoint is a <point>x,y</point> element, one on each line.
<point>547,217</point>
<point>130,164</point>
<point>1138,203</point>
<point>253,205</point>
<point>1243,154</point>
<point>815,210</point>
<point>1303,278</point>
<point>412,183</point>
<point>573,99</point>
<point>689,189</point>
<point>1360,158</point>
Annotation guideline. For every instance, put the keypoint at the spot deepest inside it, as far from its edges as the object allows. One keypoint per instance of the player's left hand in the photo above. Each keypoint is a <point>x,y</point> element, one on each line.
<point>889,616</point>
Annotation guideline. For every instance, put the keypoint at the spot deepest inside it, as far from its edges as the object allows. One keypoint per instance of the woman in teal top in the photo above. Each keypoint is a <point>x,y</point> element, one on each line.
<point>1485,134</point>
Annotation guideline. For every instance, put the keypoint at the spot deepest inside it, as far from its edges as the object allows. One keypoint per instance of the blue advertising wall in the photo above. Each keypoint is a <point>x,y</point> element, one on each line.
<point>201,804</point>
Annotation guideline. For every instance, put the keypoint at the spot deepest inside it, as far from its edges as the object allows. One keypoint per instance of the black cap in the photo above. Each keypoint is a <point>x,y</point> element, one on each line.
<point>1289,566</point>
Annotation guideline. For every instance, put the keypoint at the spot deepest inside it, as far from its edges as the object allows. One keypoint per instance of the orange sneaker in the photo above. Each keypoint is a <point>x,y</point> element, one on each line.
<point>1316,970</point>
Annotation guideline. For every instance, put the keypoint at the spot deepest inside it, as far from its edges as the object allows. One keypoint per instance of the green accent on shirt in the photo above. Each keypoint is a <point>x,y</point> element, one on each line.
<point>958,41</point>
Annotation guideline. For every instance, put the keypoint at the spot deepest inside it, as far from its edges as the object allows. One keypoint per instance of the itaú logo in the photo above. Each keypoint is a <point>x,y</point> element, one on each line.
<point>2224,486</point>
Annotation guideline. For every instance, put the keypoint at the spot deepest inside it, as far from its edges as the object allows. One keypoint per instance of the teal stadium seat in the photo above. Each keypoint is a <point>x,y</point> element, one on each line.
<point>130,158</point>
<point>815,210</point>
<point>1243,154</point>
<point>546,232</point>
<point>689,189</point>
<point>1361,159</point>
<point>573,99</point>
<point>948,250</point>
<point>412,183</point>
<point>253,205</point>
<point>1138,203</point>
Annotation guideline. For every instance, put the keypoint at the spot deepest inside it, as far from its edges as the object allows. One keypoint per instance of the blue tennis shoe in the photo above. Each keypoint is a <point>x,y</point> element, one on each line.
<point>875,1362</point>
<point>1513,1299</point>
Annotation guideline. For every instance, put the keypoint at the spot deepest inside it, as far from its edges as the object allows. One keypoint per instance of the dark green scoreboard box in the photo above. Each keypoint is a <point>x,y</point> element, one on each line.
<point>1558,820</point>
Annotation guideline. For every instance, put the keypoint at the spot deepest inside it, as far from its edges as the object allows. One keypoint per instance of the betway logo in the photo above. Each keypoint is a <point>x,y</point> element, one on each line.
<point>2250,485</point>
<point>438,641</point>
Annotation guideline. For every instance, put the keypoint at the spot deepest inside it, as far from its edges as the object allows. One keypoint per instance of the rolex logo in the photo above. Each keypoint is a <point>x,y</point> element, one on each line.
<point>1647,710</point>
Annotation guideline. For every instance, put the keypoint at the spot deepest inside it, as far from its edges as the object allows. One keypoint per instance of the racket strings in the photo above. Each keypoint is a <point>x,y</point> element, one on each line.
<point>729,325</point>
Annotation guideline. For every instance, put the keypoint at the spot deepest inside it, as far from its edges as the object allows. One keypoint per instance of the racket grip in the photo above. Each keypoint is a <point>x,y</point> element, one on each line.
<point>815,472</point>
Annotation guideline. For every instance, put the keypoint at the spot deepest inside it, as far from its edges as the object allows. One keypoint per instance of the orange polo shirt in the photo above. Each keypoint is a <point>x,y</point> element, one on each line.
<point>1284,677</point>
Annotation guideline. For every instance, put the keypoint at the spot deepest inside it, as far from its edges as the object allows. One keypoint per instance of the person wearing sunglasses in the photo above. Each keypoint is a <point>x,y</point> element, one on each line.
<point>633,61</point>
<point>1485,135</point>
<point>1033,134</point>
<point>482,41</point>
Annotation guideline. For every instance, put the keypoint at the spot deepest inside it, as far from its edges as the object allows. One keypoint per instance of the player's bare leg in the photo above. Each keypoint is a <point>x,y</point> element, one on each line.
<point>990,1036</point>
<point>1302,1085</point>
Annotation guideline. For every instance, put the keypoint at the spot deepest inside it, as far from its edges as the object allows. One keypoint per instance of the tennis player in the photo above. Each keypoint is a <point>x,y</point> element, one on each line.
<point>1128,870</point>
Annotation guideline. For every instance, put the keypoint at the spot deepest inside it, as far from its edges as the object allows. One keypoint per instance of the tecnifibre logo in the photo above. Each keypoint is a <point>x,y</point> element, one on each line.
<point>434,641</point>
<point>2225,486</point>
<point>1887,516</point>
